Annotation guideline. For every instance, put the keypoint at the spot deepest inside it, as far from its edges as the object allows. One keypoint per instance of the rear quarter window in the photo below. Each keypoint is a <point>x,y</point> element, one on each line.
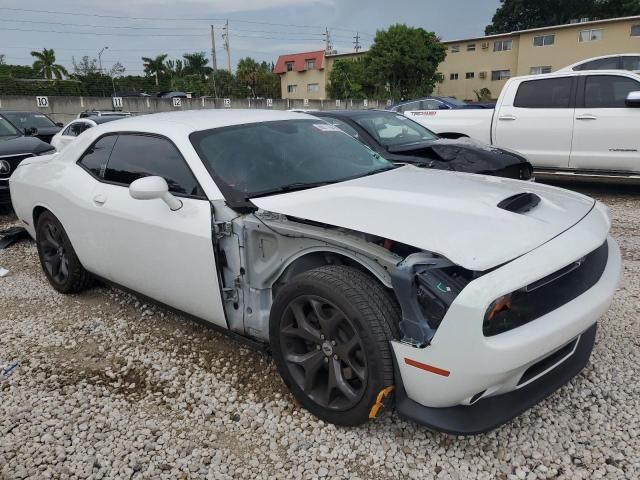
<point>547,93</point>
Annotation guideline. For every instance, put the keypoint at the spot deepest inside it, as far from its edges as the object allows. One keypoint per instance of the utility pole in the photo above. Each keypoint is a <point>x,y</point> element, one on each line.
<point>225,36</point>
<point>328,46</point>
<point>356,43</point>
<point>214,62</point>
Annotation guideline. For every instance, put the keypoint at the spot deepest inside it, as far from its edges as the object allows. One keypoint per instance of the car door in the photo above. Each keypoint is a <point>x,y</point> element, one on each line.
<point>606,134</point>
<point>163,254</point>
<point>538,122</point>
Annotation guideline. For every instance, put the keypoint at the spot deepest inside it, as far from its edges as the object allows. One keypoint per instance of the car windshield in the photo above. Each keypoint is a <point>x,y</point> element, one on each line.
<point>392,129</point>
<point>6,129</point>
<point>29,120</point>
<point>271,157</point>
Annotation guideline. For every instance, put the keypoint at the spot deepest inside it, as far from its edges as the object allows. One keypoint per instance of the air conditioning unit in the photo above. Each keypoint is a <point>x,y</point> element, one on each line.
<point>485,45</point>
<point>482,75</point>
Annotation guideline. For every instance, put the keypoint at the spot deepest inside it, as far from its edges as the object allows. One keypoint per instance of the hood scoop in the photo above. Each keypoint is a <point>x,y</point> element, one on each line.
<point>520,203</point>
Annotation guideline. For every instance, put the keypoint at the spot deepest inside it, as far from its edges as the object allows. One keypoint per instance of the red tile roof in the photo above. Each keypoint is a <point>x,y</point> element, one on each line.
<point>299,61</point>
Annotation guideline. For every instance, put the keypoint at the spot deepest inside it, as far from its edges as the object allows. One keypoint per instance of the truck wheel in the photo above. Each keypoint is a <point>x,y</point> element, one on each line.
<point>58,258</point>
<point>329,331</point>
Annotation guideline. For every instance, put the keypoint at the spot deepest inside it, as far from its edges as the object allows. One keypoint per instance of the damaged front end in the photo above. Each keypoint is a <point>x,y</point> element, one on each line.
<point>426,285</point>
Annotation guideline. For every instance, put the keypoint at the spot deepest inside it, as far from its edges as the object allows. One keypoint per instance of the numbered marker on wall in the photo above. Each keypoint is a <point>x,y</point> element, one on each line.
<point>305,102</point>
<point>337,103</point>
<point>42,102</point>
<point>227,103</point>
<point>269,102</point>
<point>365,103</point>
<point>177,102</point>
<point>117,102</point>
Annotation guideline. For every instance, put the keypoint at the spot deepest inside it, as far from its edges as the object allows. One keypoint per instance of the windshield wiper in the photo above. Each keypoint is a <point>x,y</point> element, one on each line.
<point>292,187</point>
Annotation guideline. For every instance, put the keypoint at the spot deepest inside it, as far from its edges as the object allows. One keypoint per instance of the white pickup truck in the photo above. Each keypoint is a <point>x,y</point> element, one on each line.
<point>584,123</point>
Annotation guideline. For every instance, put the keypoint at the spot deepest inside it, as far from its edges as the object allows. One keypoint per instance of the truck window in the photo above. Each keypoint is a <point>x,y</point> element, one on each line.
<point>547,93</point>
<point>608,91</point>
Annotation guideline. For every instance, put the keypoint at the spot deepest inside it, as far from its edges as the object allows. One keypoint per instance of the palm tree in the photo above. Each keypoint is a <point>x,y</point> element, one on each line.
<point>155,66</point>
<point>195,63</point>
<point>46,65</point>
<point>247,72</point>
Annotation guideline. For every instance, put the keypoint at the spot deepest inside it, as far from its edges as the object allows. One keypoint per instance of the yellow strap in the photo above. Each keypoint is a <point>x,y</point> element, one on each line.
<point>378,405</point>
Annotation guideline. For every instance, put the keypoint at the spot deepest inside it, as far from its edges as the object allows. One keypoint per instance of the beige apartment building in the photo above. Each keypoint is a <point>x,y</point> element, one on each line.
<point>305,75</point>
<point>487,62</point>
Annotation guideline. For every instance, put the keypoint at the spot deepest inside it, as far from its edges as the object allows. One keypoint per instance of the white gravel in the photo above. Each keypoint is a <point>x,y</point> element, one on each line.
<point>108,387</point>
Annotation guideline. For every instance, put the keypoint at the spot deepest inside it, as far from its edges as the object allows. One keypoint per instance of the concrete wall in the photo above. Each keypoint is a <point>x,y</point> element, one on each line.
<point>65,109</point>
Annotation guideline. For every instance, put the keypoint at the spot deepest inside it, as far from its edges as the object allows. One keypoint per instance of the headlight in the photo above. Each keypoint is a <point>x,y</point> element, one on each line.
<point>426,286</point>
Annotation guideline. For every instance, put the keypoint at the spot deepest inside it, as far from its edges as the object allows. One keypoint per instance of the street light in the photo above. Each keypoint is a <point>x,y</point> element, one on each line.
<point>100,57</point>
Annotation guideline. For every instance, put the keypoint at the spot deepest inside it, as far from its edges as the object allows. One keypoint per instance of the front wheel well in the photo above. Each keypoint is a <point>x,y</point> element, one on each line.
<point>314,260</point>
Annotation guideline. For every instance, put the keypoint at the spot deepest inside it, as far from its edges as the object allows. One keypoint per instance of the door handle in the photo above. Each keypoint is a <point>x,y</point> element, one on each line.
<point>99,200</point>
<point>507,117</point>
<point>586,116</point>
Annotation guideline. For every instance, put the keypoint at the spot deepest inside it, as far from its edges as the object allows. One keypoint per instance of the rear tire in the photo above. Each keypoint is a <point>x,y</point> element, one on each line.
<point>330,330</point>
<point>58,258</point>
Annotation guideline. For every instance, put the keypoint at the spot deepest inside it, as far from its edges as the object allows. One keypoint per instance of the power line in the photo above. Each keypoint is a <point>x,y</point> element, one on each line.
<point>173,19</point>
<point>104,34</point>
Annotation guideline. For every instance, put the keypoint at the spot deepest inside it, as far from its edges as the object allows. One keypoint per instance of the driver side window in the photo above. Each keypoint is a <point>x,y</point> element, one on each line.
<point>136,156</point>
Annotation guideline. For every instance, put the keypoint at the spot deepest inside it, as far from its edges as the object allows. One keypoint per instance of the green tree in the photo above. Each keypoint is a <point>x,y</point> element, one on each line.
<point>196,64</point>
<point>514,15</point>
<point>348,80</point>
<point>155,66</point>
<point>247,73</point>
<point>406,60</point>
<point>46,65</point>
<point>174,67</point>
<point>85,66</point>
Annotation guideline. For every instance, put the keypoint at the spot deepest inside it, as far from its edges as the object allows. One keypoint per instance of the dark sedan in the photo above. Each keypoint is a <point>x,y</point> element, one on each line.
<point>35,124</point>
<point>14,148</point>
<point>401,140</point>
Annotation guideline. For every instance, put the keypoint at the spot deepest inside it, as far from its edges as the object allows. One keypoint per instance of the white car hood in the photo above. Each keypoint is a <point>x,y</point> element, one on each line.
<point>451,214</point>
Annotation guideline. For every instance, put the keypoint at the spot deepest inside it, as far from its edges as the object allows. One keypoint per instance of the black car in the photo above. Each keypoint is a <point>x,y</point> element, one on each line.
<point>15,147</point>
<point>401,140</point>
<point>35,124</point>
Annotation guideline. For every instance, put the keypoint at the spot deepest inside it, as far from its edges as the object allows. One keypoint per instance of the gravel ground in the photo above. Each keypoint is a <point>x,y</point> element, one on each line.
<point>108,387</point>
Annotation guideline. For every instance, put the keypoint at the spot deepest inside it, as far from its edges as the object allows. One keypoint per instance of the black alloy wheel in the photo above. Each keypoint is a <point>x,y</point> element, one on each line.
<point>330,330</point>
<point>324,352</point>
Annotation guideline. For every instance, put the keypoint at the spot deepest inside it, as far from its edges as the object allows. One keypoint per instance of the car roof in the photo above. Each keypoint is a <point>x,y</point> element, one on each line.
<point>196,120</point>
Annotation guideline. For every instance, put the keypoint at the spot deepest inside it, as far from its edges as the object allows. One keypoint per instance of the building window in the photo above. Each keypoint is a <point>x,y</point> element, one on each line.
<point>313,87</point>
<point>470,75</point>
<point>289,66</point>
<point>310,64</point>
<point>471,47</point>
<point>539,70</point>
<point>635,30</point>
<point>453,76</point>
<point>590,35</point>
<point>292,88</point>
<point>500,74</point>
<point>503,46</point>
<point>455,48</point>
<point>543,40</point>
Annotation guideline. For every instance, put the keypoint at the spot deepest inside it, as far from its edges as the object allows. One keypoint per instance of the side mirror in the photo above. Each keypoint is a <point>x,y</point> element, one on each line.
<point>59,124</point>
<point>443,107</point>
<point>31,131</point>
<point>154,188</point>
<point>633,99</point>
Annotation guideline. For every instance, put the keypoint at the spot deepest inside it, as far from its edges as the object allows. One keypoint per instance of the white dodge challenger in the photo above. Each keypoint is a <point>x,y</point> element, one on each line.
<point>471,297</point>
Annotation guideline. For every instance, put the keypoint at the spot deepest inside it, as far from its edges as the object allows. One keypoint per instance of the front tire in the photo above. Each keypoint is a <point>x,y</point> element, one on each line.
<point>329,331</point>
<point>58,258</point>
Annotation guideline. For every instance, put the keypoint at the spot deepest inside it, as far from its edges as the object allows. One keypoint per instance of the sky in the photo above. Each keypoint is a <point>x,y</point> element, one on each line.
<point>262,29</point>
